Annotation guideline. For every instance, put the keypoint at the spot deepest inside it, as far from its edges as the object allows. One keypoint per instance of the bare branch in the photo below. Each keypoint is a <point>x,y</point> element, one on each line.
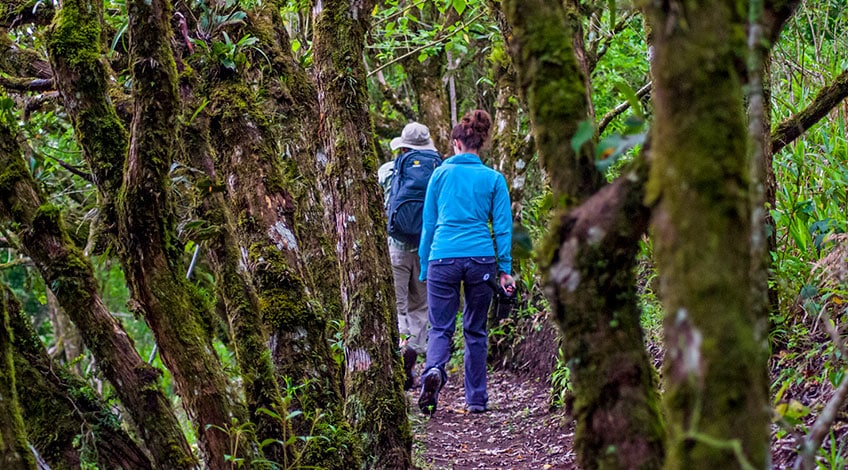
<point>394,99</point>
<point>74,170</point>
<point>601,45</point>
<point>34,103</point>
<point>26,83</point>
<point>827,99</point>
<point>438,40</point>
<point>615,112</point>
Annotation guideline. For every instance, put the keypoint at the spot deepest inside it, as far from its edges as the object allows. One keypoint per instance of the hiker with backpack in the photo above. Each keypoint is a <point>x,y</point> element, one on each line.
<point>404,181</point>
<point>458,249</point>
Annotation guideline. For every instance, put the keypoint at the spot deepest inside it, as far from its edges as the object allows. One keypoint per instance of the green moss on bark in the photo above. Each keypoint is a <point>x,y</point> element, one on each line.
<point>14,453</point>
<point>717,388</point>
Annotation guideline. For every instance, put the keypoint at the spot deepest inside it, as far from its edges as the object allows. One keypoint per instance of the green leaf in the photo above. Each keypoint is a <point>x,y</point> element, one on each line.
<point>613,147</point>
<point>585,131</point>
<point>808,291</point>
<point>268,442</point>
<point>630,95</point>
<point>268,412</point>
<point>459,6</point>
<point>612,12</point>
<point>522,243</point>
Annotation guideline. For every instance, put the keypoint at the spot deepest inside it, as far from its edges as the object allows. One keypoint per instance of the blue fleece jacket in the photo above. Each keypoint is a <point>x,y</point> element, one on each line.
<point>463,196</point>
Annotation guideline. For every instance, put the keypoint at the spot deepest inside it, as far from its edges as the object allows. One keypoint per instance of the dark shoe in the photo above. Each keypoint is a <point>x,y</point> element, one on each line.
<point>431,384</point>
<point>477,409</point>
<point>410,357</point>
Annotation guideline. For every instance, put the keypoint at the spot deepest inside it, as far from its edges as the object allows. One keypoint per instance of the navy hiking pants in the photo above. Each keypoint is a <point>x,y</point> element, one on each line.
<point>444,278</point>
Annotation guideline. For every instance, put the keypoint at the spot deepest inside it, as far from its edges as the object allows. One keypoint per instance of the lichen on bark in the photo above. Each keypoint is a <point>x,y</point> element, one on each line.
<point>14,452</point>
<point>376,405</point>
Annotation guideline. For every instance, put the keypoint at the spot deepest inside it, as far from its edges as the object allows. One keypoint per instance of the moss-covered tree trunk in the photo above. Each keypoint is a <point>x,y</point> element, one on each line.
<point>14,451</point>
<point>297,120</point>
<point>70,276</point>
<point>716,386</point>
<point>376,405</point>
<point>65,419</point>
<point>589,256</point>
<point>426,79</point>
<point>150,250</point>
<point>75,45</point>
<point>512,150</point>
<point>272,284</point>
<point>232,270</point>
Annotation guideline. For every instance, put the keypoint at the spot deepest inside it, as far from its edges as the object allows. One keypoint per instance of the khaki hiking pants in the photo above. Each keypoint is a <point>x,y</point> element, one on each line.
<point>411,296</point>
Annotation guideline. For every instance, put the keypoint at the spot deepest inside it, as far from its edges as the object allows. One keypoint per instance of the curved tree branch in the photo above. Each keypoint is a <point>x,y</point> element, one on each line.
<point>615,112</point>
<point>18,12</point>
<point>828,98</point>
<point>27,84</point>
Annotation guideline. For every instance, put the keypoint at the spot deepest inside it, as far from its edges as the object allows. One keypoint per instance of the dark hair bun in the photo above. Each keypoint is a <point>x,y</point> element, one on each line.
<point>481,122</point>
<point>473,129</point>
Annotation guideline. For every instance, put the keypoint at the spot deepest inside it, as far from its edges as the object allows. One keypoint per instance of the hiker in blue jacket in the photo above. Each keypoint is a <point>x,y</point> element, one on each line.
<point>458,248</point>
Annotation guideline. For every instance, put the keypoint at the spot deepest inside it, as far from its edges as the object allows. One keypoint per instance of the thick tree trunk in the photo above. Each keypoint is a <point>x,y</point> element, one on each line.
<point>14,451</point>
<point>554,87</point>
<point>75,47</point>
<point>426,79</point>
<point>231,266</point>
<point>588,267</point>
<point>70,276</point>
<point>716,385</point>
<point>512,150</point>
<point>376,404</point>
<point>62,414</point>
<point>275,289</point>
<point>150,250</point>
<point>296,109</point>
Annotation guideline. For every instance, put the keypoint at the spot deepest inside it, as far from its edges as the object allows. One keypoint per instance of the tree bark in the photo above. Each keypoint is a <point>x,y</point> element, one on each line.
<point>14,451</point>
<point>231,265</point>
<point>588,268</point>
<point>716,384</point>
<point>376,404</point>
<point>512,149</point>
<point>827,99</point>
<point>63,416</point>
<point>75,47</point>
<point>150,250</point>
<point>268,286</point>
<point>70,276</point>
<point>426,81</point>
<point>553,85</point>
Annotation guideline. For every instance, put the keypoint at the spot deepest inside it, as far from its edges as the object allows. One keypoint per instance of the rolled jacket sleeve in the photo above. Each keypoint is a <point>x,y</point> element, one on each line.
<point>502,224</point>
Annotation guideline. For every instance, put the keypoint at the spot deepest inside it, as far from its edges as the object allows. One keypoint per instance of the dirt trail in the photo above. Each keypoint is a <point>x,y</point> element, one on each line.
<point>518,432</point>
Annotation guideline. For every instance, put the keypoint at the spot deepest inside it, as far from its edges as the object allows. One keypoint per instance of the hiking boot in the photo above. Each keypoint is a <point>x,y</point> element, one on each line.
<point>410,357</point>
<point>431,384</point>
<point>477,408</point>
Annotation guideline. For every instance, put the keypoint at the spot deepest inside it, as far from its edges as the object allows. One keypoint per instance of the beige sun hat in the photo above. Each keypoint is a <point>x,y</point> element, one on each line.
<point>414,136</point>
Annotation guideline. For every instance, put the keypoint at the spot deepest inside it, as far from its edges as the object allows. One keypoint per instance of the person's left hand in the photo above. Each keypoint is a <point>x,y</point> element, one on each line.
<point>507,283</point>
